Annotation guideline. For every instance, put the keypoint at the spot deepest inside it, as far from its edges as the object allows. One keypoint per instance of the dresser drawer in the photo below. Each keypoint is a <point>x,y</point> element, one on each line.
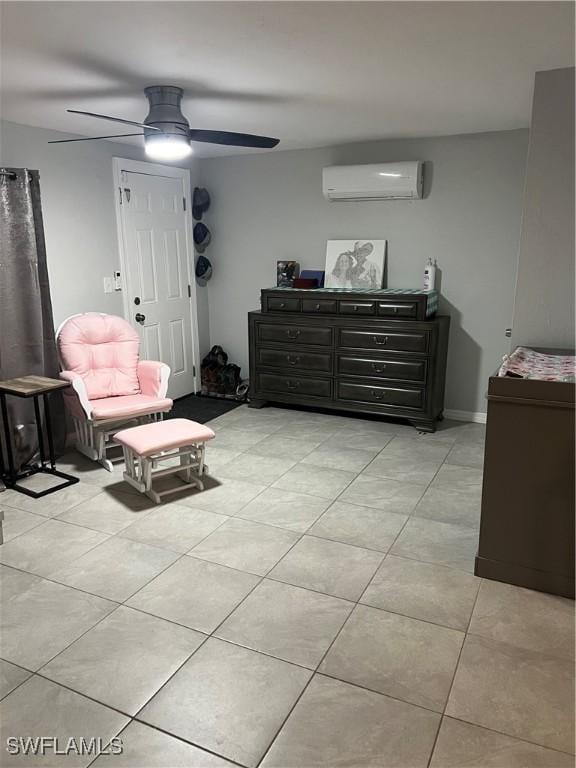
<point>366,393</point>
<point>410,370</point>
<point>407,309</point>
<point>272,382</point>
<point>357,307</point>
<point>281,304</point>
<point>327,306</point>
<point>295,334</point>
<point>306,361</point>
<point>402,342</point>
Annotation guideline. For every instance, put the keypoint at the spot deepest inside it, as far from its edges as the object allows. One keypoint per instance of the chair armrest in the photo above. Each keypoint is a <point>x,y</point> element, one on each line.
<point>76,394</point>
<point>153,378</point>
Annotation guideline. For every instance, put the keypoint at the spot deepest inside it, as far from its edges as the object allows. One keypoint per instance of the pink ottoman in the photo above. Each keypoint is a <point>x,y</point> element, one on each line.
<point>151,444</point>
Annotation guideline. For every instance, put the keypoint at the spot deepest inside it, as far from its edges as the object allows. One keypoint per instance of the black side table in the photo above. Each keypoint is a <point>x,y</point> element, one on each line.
<point>35,387</point>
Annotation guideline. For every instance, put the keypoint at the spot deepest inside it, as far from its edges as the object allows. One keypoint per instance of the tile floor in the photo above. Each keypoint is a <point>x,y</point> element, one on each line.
<point>314,606</point>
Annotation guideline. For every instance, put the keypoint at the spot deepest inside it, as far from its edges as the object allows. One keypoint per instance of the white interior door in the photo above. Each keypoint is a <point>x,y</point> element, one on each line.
<point>156,272</point>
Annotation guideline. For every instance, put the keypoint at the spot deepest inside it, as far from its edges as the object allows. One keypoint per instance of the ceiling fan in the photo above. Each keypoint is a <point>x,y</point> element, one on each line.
<point>167,133</point>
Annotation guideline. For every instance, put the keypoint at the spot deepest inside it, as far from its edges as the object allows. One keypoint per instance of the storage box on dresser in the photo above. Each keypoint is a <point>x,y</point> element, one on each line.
<point>373,352</point>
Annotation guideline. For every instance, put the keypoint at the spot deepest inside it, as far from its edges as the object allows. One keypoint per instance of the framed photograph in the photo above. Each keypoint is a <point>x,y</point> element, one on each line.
<point>286,271</point>
<point>357,264</point>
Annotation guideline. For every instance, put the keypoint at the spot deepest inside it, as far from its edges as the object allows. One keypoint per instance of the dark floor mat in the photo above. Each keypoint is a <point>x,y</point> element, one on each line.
<point>201,409</point>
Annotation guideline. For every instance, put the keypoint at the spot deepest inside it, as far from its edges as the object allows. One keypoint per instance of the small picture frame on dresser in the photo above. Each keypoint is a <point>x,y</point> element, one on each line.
<point>286,272</point>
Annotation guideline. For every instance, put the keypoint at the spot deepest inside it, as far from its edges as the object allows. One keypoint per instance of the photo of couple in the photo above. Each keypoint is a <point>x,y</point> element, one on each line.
<point>355,264</point>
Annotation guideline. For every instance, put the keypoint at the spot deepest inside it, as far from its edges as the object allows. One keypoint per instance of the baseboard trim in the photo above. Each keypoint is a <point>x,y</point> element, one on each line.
<point>479,417</point>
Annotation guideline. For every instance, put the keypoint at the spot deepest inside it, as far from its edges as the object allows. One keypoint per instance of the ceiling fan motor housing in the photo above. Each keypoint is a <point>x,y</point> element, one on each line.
<point>165,112</point>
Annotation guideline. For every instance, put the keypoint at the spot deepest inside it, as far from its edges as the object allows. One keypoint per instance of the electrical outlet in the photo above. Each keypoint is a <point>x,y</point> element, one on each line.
<point>108,285</point>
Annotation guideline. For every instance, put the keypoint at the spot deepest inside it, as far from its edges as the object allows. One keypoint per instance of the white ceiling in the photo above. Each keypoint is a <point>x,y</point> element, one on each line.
<point>311,73</point>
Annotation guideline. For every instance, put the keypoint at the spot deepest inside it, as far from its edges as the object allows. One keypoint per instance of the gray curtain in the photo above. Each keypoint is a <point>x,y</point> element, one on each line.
<point>27,343</point>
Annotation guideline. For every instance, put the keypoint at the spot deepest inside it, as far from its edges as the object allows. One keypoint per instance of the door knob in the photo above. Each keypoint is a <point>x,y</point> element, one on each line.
<point>137,300</point>
<point>139,317</point>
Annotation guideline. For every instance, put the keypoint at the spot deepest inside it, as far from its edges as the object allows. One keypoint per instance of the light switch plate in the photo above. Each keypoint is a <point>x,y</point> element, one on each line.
<point>108,285</point>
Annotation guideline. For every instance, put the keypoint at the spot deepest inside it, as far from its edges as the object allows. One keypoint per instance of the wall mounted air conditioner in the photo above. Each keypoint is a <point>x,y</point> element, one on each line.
<point>378,181</point>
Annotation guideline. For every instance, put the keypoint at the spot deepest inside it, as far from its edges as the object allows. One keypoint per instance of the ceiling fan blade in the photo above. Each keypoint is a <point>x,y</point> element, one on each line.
<point>113,119</point>
<point>233,139</point>
<point>95,138</point>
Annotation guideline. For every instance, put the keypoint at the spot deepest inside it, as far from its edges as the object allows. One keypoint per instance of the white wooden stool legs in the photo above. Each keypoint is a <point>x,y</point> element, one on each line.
<point>141,470</point>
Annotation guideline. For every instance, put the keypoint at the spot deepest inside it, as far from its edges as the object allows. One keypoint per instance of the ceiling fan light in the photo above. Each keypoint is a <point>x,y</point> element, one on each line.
<point>167,147</point>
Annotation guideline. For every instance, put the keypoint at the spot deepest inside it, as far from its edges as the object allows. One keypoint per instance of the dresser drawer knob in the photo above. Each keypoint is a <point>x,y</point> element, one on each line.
<point>292,334</point>
<point>378,395</point>
<point>292,384</point>
<point>381,340</point>
<point>293,360</point>
<point>317,306</point>
<point>282,305</point>
<point>379,368</point>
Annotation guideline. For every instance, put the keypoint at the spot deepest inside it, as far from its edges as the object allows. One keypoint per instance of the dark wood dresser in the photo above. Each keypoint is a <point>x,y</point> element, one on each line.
<point>373,352</point>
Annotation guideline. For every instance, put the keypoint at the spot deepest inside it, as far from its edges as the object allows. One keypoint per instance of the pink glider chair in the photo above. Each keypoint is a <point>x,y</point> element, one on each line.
<point>111,388</point>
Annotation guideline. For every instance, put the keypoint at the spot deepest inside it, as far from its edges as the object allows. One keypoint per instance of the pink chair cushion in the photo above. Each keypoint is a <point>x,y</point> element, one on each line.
<point>163,436</point>
<point>129,405</point>
<point>103,350</point>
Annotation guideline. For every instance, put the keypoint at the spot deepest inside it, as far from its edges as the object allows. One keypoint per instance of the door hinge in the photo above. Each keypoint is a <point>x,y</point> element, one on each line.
<point>189,291</point>
<point>193,370</point>
<point>184,202</point>
<point>120,191</point>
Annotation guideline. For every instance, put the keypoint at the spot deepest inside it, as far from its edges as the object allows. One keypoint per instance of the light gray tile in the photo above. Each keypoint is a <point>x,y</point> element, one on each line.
<point>317,481</point>
<point>420,450</point>
<point>262,470</point>
<point>110,512</point>
<point>195,593</point>
<point>462,744</point>
<point>400,657</point>
<point>231,439</point>
<point>423,591</point>
<point>45,619</point>
<point>124,659</point>
<point>14,582</point>
<point>226,497</point>
<point>517,692</point>
<point>336,724</point>
<point>467,455</point>
<point>379,493</point>
<point>229,700</point>
<point>531,620</point>
<point>375,427</point>
<point>440,543</point>
<point>287,622</point>
<point>348,459</point>
<point>116,569</point>
<point>90,472</point>
<point>49,547</point>
<point>10,677</point>
<point>53,504</point>
<point>16,521</point>
<point>370,441</point>
<point>174,527</point>
<point>281,447</point>
<point>450,506</point>
<point>466,479</point>
<point>246,545</point>
<point>328,566</point>
<point>41,708</point>
<point>285,509</point>
<point>308,431</point>
<point>145,747</point>
<point>404,469</point>
<point>359,526</point>
<point>217,458</point>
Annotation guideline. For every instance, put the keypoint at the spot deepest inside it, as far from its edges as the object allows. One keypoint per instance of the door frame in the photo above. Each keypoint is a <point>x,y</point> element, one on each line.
<point>120,164</point>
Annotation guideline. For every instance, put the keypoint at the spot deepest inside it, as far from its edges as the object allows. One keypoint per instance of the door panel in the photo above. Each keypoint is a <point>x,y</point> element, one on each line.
<point>155,245</point>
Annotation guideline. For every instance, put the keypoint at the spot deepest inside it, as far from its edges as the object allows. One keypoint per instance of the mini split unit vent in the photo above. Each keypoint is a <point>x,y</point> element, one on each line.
<point>379,181</point>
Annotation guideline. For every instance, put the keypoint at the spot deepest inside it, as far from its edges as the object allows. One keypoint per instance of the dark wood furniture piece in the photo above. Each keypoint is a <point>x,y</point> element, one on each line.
<point>527,521</point>
<point>369,352</point>
<point>35,387</point>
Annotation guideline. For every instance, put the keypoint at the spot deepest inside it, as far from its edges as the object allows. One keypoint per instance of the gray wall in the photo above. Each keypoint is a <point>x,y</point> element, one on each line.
<point>270,207</point>
<point>76,183</point>
<point>544,304</point>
